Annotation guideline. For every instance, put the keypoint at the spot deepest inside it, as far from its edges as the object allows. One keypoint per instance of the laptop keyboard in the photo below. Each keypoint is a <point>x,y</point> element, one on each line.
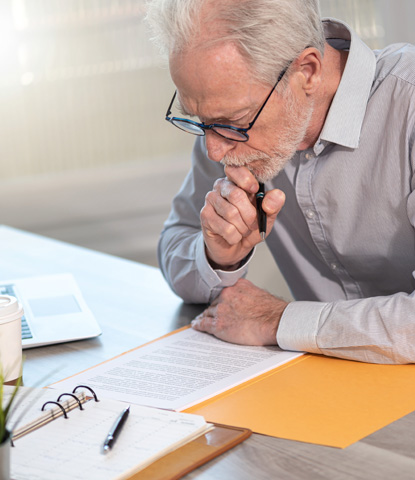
<point>9,290</point>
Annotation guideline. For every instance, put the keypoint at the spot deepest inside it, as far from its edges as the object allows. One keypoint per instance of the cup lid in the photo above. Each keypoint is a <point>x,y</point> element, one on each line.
<point>10,308</point>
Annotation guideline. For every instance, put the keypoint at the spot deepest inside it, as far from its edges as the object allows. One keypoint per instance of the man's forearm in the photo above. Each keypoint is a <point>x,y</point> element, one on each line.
<point>373,330</point>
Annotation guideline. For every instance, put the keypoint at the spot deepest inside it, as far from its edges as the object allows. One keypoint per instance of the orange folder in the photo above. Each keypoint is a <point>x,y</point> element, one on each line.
<point>317,399</point>
<point>314,399</point>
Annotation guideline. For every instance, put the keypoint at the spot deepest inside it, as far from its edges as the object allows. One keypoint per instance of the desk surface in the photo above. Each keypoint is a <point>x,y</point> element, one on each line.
<point>133,305</point>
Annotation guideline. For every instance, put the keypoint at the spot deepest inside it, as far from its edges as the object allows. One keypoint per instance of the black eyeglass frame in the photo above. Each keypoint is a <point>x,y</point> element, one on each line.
<point>213,126</point>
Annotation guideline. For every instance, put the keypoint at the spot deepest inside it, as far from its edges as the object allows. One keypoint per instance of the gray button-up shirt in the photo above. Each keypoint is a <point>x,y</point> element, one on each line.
<point>345,239</point>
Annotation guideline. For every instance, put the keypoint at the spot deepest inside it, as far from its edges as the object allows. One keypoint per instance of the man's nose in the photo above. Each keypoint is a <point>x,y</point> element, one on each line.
<point>217,146</point>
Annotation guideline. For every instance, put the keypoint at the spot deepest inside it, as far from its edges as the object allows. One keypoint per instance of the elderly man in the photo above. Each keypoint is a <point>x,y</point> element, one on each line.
<point>276,95</point>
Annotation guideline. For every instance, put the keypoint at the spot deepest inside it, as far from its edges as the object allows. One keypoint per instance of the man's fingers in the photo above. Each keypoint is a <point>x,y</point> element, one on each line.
<point>229,217</point>
<point>243,314</point>
<point>227,211</point>
<point>237,198</point>
<point>214,225</point>
<point>272,207</point>
<point>273,202</point>
<point>205,322</point>
<point>233,222</point>
<point>243,178</point>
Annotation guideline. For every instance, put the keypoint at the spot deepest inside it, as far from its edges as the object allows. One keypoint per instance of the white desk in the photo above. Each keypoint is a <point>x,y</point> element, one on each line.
<point>133,304</point>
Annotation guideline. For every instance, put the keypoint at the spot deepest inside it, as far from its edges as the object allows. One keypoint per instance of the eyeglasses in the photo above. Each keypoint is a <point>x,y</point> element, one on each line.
<point>226,131</point>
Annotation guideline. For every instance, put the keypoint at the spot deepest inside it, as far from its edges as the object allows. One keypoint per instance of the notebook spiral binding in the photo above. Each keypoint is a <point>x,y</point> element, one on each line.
<point>88,388</point>
<point>64,412</point>
<point>58,404</point>
<point>73,396</point>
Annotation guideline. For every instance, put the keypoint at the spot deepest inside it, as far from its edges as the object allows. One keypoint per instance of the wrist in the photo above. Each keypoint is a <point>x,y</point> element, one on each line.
<point>224,266</point>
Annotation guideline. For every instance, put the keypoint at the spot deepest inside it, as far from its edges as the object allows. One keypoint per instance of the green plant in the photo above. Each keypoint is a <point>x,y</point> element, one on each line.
<point>6,406</point>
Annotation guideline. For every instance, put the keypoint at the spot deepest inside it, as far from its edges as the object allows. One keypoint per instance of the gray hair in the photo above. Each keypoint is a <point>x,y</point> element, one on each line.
<point>269,33</point>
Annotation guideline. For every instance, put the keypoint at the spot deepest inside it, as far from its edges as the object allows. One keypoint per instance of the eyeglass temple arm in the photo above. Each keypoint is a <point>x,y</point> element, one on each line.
<point>171,104</point>
<point>260,110</point>
<point>270,93</point>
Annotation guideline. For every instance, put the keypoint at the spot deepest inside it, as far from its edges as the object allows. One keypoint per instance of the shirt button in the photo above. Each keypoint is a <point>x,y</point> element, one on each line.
<point>334,266</point>
<point>307,156</point>
<point>310,214</point>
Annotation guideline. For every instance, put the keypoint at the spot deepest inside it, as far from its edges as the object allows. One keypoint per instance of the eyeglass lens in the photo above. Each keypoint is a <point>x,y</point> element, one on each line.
<point>193,128</point>
<point>188,127</point>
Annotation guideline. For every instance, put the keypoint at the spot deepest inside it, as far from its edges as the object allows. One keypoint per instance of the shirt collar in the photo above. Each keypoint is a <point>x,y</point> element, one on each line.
<point>345,117</point>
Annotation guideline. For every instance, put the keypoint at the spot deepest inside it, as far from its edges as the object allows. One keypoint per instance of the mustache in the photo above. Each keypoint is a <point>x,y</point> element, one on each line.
<point>244,160</point>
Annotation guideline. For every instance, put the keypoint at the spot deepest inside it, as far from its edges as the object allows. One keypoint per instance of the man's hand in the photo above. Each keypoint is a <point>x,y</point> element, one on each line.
<point>229,217</point>
<point>243,314</point>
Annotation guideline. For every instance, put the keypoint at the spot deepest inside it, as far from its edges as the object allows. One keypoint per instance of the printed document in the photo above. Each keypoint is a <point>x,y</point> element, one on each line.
<point>178,371</point>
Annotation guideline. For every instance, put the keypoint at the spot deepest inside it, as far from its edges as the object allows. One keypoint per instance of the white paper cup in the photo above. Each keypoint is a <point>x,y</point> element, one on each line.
<point>11,313</point>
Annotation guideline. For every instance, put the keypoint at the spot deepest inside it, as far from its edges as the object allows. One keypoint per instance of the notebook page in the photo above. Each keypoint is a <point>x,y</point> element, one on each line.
<point>68,449</point>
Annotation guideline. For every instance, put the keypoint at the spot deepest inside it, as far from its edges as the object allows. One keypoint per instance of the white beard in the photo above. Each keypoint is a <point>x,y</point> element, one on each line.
<point>267,166</point>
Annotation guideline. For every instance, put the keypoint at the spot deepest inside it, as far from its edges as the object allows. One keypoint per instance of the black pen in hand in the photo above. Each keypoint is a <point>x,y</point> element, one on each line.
<point>262,216</point>
<point>115,430</point>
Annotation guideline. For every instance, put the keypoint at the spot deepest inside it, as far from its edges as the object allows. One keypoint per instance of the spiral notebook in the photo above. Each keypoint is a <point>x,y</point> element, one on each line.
<point>60,436</point>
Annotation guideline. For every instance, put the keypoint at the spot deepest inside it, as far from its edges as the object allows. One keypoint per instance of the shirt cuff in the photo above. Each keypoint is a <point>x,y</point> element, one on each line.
<point>299,326</point>
<point>215,278</point>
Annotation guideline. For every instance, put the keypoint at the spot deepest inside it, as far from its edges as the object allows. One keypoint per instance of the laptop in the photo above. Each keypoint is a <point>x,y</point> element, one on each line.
<point>54,310</point>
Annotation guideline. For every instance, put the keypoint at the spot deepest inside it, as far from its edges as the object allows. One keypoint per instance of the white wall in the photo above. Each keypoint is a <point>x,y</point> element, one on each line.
<point>81,85</point>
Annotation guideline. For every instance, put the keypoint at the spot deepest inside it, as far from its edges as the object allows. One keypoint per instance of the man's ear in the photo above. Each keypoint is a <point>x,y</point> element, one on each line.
<point>308,68</point>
